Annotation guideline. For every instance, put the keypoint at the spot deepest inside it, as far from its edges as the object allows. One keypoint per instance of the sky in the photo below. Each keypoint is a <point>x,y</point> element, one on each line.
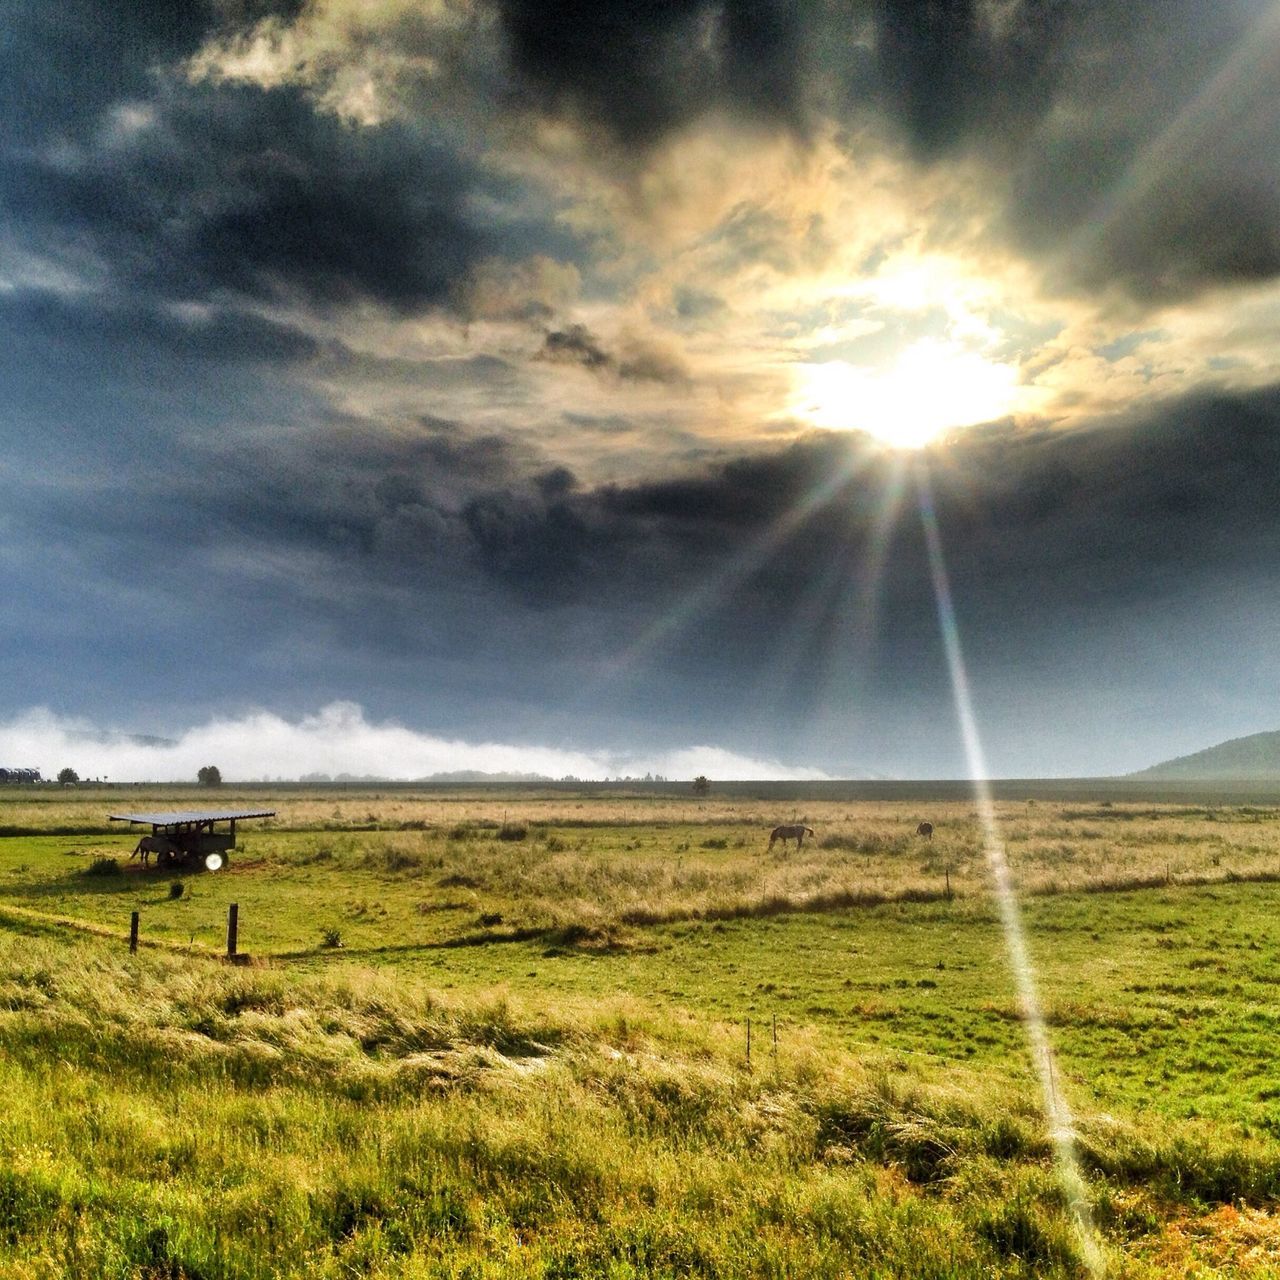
<point>555,386</point>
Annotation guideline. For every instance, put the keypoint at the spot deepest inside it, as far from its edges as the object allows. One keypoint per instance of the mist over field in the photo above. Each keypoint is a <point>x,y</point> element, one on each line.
<point>338,740</point>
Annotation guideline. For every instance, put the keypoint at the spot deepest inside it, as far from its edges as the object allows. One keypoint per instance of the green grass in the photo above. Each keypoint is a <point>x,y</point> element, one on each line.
<point>167,1116</point>
<point>511,1040</point>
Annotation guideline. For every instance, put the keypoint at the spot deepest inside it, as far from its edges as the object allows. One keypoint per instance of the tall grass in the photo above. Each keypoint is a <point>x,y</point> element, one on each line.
<point>167,1117</point>
<point>427,868</point>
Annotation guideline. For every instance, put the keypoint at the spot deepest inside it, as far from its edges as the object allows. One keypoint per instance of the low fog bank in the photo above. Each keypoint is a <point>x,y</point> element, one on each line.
<point>338,739</point>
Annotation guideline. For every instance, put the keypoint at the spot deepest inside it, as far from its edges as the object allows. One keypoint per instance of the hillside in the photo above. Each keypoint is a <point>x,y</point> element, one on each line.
<point>1257,756</point>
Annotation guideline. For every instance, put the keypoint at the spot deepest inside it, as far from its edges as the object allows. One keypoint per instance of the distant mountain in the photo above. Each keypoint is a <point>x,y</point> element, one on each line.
<point>1257,756</point>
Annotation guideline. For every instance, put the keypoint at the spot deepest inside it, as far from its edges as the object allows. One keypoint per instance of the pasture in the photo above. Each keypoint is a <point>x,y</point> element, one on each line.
<point>505,1033</point>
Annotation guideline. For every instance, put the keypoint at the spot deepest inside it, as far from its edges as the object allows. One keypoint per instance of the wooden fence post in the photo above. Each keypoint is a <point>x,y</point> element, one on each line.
<point>133,934</point>
<point>233,928</point>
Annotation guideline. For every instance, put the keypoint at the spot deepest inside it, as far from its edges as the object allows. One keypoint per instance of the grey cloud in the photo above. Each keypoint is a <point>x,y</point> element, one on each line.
<point>64,65</point>
<point>1190,236</point>
<point>1094,511</point>
<point>112,328</point>
<point>638,360</point>
<point>953,70</point>
<point>635,71</point>
<point>257,194</point>
<point>1154,173</point>
<point>1120,155</point>
<point>1072,110</point>
<point>116,170</point>
<point>697,305</point>
<point>575,345</point>
<point>469,575</point>
<point>649,361</point>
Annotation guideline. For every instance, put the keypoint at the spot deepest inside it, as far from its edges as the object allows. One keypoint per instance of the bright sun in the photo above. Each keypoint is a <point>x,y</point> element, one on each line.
<point>931,387</point>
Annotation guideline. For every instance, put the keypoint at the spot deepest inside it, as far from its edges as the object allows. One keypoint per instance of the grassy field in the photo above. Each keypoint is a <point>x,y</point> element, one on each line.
<point>506,1034</point>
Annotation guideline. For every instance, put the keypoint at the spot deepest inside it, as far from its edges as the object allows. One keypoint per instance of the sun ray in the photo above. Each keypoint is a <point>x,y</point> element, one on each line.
<point>850,590</point>
<point>704,597</point>
<point>865,564</point>
<point>1057,1109</point>
<point>1249,67</point>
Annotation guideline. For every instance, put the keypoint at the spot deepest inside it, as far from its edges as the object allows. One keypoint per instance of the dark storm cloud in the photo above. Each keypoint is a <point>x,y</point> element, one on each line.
<point>186,191</point>
<point>949,70</point>
<point>639,70</point>
<point>1104,515</point>
<point>1137,145</point>
<point>399,499</point>
<point>257,194</point>
<point>1156,173</point>
<point>366,558</point>
<point>1133,146</point>
<point>1183,494</point>
<point>64,64</point>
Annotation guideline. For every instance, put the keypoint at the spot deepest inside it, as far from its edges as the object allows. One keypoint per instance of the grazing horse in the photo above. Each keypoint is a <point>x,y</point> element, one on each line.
<point>796,833</point>
<point>925,829</point>
<point>152,844</point>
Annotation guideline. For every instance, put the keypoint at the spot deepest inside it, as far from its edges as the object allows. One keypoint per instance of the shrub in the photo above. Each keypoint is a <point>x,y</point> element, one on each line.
<point>103,867</point>
<point>393,858</point>
<point>176,889</point>
<point>512,831</point>
<point>458,880</point>
<point>330,937</point>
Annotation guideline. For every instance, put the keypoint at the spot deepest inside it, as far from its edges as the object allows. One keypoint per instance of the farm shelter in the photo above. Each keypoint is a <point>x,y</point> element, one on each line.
<point>193,837</point>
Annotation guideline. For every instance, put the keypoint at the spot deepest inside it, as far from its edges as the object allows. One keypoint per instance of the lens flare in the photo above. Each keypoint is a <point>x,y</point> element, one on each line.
<point>1056,1108</point>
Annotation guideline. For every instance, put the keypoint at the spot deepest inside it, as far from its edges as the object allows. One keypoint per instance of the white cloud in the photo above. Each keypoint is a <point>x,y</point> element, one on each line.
<point>337,739</point>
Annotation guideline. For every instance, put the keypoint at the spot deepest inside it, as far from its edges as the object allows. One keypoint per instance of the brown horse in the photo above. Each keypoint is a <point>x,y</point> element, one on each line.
<point>796,833</point>
<point>925,829</point>
<point>159,845</point>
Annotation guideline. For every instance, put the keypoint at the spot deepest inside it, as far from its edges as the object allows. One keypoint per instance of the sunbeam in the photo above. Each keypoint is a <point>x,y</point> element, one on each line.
<point>1056,1108</point>
<point>1249,68</point>
<point>705,596</point>
<point>841,607</point>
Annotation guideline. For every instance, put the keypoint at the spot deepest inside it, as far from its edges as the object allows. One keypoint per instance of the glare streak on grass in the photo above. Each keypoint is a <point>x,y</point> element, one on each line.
<point>1056,1108</point>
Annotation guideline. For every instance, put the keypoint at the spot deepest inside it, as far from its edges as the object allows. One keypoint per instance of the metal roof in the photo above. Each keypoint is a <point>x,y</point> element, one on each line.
<point>191,815</point>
